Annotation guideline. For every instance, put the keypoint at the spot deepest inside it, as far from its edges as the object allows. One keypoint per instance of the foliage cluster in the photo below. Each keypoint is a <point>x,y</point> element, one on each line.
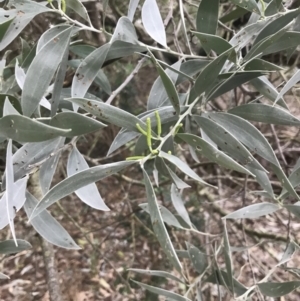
<point>41,119</point>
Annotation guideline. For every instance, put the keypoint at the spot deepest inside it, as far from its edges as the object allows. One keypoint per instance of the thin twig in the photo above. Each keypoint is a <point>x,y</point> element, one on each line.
<point>126,82</point>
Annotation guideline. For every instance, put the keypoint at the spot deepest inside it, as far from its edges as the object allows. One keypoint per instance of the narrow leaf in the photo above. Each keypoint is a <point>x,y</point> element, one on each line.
<point>253,211</point>
<point>198,259</point>
<point>245,132</point>
<point>155,273</point>
<point>23,13</point>
<point>158,224</point>
<point>77,123</point>
<point>249,5</point>
<point>124,32</point>
<point>87,71</point>
<point>182,166</point>
<point>79,8</point>
<point>178,182</point>
<point>212,153</point>
<point>179,205</point>
<point>228,258</point>
<point>24,129</point>
<point>153,22</point>
<point>3,276</point>
<point>48,168</point>
<point>213,42</point>
<point>277,289</point>
<point>227,142</point>
<point>10,192</point>
<point>9,246</point>
<point>42,70</point>
<point>288,253</point>
<point>109,113</point>
<point>88,194</point>
<point>14,204</point>
<point>25,158</point>
<point>290,84</point>
<point>266,88</point>
<point>209,74</point>
<point>277,24</point>
<point>167,216</point>
<point>133,4</point>
<point>159,291</point>
<point>168,85</point>
<point>48,227</point>
<point>77,181</point>
<point>207,16</point>
<point>259,64</point>
<point>266,114</point>
<point>59,82</point>
<point>158,94</point>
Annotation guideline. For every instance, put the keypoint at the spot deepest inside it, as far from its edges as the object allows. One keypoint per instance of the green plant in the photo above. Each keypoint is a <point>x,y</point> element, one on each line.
<point>40,127</point>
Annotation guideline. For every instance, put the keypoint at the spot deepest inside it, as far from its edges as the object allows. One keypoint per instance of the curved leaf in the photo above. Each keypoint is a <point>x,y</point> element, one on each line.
<point>277,24</point>
<point>179,206</point>
<point>158,224</point>
<point>75,182</point>
<point>159,291</point>
<point>25,158</point>
<point>12,205</point>
<point>212,42</point>
<point>266,88</point>
<point>24,129</point>
<point>133,4</point>
<point>253,211</point>
<point>198,259</point>
<point>277,289</point>
<point>48,227</point>
<point>87,71</point>
<point>207,16</point>
<point>158,93</point>
<point>79,8</point>
<point>168,85</point>
<point>182,166</point>
<point>88,194</point>
<point>9,246</point>
<point>48,168</point>
<point>23,13</point>
<point>156,273</point>
<point>153,22</point>
<point>50,34</point>
<point>249,5</point>
<point>254,140</point>
<point>208,76</point>
<point>290,84</point>
<point>227,142</point>
<point>42,69</point>
<point>266,114</point>
<point>245,132</point>
<point>109,113</point>
<point>212,153</point>
<point>124,32</point>
<point>77,123</point>
<point>167,216</point>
